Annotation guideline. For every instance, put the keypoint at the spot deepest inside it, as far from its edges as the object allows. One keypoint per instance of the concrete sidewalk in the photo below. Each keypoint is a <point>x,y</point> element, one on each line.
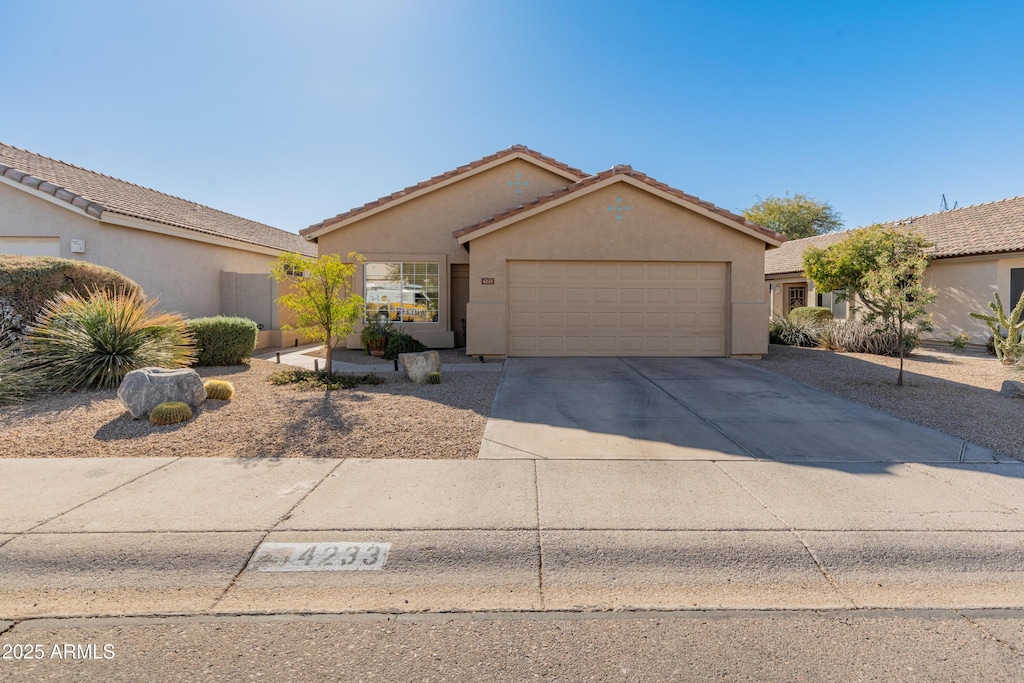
<point>297,357</point>
<point>153,536</point>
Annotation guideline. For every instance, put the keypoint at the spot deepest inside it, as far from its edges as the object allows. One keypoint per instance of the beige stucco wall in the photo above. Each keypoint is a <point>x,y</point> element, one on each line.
<point>184,273</point>
<point>965,285</point>
<point>421,230</point>
<point>584,229</point>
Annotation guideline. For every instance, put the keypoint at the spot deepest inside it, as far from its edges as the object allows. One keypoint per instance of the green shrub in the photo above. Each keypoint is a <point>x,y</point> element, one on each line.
<point>92,342</point>
<point>18,379</point>
<point>28,282</point>
<point>219,390</point>
<point>958,342</point>
<point>375,332</point>
<point>814,315</point>
<point>400,342</point>
<point>223,340</point>
<point>169,413</point>
<point>320,379</point>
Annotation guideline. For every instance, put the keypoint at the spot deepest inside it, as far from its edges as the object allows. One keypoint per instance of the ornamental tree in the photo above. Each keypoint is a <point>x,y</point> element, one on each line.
<point>795,217</point>
<point>321,296</point>
<point>883,269</point>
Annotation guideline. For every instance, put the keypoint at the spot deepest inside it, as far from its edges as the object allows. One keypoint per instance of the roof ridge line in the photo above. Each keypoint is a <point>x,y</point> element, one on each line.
<point>617,170</point>
<point>446,175</point>
<point>936,213</point>
<point>128,182</point>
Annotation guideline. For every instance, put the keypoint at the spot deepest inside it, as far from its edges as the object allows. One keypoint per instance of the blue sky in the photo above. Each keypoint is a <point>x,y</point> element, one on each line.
<point>290,112</point>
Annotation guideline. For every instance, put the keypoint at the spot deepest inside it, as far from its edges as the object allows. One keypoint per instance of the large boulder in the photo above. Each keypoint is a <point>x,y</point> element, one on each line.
<point>143,389</point>
<point>418,365</point>
<point>1012,389</point>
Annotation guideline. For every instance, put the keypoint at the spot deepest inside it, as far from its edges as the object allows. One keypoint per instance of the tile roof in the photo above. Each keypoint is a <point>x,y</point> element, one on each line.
<point>96,193</point>
<point>447,175</point>
<point>623,171</point>
<point>993,228</point>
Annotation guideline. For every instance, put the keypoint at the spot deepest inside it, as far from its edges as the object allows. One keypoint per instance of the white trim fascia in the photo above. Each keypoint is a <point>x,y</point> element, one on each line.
<point>390,204</point>
<point>194,235</point>
<point>619,178</point>
<point>46,196</point>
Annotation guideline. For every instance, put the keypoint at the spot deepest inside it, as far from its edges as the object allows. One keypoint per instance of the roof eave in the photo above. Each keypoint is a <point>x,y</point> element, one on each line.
<point>402,196</point>
<point>465,235</point>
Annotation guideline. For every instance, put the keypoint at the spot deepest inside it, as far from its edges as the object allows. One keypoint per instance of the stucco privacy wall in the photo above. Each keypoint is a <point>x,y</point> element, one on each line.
<point>421,230</point>
<point>184,273</point>
<point>585,230</point>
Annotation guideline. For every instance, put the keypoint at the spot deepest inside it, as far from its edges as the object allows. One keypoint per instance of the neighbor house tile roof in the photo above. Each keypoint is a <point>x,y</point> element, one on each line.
<point>96,193</point>
<point>993,228</point>
<point>423,184</point>
<point>603,175</point>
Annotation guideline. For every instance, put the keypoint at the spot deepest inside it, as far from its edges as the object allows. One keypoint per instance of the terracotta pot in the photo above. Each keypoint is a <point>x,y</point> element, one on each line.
<point>377,349</point>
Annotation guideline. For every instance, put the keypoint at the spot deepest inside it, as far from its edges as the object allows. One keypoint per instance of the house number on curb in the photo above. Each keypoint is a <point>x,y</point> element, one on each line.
<point>319,557</point>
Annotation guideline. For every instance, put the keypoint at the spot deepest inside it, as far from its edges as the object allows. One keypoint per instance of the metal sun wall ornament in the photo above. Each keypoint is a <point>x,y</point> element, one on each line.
<point>620,209</point>
<point>518,183</point>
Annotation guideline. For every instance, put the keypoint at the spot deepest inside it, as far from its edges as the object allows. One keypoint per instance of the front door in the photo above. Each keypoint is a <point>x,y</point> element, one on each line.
<point>795,297</point>
<point>460,297</point>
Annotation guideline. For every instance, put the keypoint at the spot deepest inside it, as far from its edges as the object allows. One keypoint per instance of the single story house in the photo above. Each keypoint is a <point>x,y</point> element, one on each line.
<point>198,260</point>
<point>978,251</point>
<point>517,254</point>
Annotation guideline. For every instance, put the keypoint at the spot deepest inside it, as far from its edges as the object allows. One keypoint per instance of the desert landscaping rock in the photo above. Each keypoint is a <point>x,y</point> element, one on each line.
<point>397,419</point>
<point>1012,389</point>
<point>144,389</point>
<point>418,365</point>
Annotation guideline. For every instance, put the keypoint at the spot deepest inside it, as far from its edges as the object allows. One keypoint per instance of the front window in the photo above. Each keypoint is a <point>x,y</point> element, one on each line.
<point>401,292</point>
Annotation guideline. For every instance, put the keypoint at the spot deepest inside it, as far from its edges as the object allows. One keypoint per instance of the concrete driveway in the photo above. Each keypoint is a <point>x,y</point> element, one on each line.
<point>693,409</point>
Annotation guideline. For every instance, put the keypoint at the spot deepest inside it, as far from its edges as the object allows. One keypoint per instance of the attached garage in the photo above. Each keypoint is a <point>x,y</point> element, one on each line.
<point>617,265</point>
<point>616,308</point>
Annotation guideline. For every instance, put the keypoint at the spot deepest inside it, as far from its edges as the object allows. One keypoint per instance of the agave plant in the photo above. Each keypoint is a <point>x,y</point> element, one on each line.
<point>93,341</point>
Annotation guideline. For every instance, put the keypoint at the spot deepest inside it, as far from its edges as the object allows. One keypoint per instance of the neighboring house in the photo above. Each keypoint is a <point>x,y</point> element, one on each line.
<point>979,251</point>
<point>198,260</point>
<point>531,257</point>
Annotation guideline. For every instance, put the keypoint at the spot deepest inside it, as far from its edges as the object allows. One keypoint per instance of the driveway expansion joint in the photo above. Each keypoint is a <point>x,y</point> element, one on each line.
<point>988,634</point>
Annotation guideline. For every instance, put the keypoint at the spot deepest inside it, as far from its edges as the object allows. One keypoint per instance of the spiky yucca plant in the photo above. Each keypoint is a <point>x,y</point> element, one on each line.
<point>93,341</point>
<point>219,389</point>
<point>169,413</point>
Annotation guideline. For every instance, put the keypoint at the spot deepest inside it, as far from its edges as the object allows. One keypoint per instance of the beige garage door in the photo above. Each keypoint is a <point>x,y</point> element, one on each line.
<point>602,308</point>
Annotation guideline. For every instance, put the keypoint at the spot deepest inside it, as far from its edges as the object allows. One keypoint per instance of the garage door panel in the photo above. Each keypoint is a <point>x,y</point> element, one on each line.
<point>631,295</point>
<point>577,319</point>
<point>548,344</point>
<point>617,308</point>
<point>659,295</point>
<point>577,295</point>
<point>549,320</point>
<point>519,294</point>
<point>714,296</point>
<point>684,271</point>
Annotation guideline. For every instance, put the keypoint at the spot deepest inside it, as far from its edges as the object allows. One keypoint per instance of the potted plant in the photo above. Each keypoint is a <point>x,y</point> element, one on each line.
<point>374,337</point>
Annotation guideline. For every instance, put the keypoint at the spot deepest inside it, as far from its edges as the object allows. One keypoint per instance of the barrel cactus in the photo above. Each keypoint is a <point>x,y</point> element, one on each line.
<point>219,389</point>
<point>434,378</point>
<point>169,413</point>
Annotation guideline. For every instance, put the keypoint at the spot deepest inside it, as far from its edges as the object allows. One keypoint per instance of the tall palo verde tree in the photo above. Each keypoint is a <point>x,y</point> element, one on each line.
<point>320,294</point>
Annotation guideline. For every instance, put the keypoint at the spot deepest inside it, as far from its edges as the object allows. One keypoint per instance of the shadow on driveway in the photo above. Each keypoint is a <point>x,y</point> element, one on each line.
<point>695,409</point>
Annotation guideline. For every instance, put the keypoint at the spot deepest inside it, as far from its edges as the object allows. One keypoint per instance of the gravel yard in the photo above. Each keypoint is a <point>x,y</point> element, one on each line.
<point>393,420</point>
<point>955,394</point>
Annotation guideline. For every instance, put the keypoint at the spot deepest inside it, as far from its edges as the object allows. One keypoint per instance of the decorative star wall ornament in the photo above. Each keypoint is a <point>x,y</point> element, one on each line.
<point>518,183</point>
<point>619,209</point>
